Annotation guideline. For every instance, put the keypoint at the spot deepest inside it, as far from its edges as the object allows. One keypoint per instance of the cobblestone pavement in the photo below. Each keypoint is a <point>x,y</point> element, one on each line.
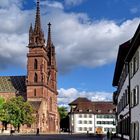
<point>53,137</point>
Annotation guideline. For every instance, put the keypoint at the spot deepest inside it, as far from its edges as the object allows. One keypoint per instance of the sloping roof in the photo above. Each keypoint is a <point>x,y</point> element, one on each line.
<point>12,84</point>
<point>104,107</point>
<point>122,53</point>
<point>135,42</point>
<point>83,105</point>
<point>80,100</point>
<point>125,53</point>
<point>35,104</point>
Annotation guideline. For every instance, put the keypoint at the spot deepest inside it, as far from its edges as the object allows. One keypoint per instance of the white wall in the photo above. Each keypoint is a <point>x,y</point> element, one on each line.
<point>135,111</point>
<point>74,123</point>
<point>124,87</point>
<point>83,125</point>
<point>103,126</point>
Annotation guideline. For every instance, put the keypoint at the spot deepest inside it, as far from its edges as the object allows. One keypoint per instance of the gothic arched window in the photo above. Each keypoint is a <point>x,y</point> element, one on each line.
<point>35,64</point>
<point>50,103</point>
<point>35,78</point>
<point>34,92</point>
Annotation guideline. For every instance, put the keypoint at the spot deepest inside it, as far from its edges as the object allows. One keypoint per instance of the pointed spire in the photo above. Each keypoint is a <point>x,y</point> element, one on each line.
<point>30,34</point>
<point>31,28</point>
<point>37,28</point>
<point>49,42</point>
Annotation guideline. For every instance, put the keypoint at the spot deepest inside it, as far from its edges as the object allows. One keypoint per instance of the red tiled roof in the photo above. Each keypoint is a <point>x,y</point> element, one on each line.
<point>83,105</point>
<point>80,100</point>
<point>104,107</point>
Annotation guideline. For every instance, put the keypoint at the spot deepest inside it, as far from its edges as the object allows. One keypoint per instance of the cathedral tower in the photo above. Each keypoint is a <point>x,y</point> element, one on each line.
<point>41,77</point>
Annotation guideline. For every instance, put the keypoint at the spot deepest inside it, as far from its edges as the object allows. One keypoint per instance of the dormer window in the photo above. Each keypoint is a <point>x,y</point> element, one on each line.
<point>110,111</point>
<point>98,110</point>
<point>89,110</point>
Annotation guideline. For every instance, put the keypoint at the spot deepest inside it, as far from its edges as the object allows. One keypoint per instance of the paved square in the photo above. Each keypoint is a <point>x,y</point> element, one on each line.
<point>53,137</point>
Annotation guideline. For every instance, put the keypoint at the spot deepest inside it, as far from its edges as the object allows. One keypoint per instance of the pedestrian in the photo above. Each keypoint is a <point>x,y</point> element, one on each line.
<point>87,132</point>
<point>108,134</point>
<point>11,132</point>
<point>2,130</point>
<point>37,132</point>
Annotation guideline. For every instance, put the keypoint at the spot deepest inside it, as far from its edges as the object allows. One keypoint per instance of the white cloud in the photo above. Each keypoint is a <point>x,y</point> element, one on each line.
<point>79,41</point>
<point>53,4</point>
<point>13,36</point>
<point>89,44</point>
<point>68,95</point>
<point>134,10</point>
<point>9,3</point>
<point>73,2</point>
<point>10,51</point>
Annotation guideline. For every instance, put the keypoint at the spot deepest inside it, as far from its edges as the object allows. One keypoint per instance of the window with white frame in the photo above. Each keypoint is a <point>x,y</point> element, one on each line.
<point>85,115</point>
<point>80,128</point>
<point>132,100</point>
<point>85,122</point>
<point>90,115</point>
<point>90,128</point>
<point>127,99</point>
<point>85,128</point>
<point>134,64</point>
<point>90,122</point>
<point>131,69</point>
<point>135,96</point>
<point>135,131</point>
<point>80,122</point>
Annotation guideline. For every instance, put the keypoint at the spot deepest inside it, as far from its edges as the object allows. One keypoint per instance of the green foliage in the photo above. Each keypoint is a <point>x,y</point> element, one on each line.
<point>2,101</point>
<point>17,112</point>
<point>64,118</point>
<point>62,112</point>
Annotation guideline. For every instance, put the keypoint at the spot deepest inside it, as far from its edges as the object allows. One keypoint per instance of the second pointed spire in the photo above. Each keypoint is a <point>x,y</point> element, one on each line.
<point>49,42</point>
<point>37,28</point>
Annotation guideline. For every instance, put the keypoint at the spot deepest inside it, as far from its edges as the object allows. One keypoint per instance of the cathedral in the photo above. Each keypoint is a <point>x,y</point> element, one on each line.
<point>39,87</point>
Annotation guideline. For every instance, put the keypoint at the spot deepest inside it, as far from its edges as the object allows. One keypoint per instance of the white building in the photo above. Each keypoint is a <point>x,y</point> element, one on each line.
<point>121,96</point>
<point>91,117</point>
<point>127,81</point>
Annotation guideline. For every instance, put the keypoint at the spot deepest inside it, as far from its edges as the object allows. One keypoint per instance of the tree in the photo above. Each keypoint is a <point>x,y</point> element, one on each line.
<point>62,112</point>
<point>3,114</point>
<point>64,118</point>
<point>18,112</point>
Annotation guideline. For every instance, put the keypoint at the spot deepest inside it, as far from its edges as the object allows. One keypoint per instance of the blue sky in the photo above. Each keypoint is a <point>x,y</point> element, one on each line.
<point>86,34</point>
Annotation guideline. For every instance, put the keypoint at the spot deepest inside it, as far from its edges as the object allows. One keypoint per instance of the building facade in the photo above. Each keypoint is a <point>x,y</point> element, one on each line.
<point>39,87</point>
<point>91,117</point>
<point>126,97</point>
